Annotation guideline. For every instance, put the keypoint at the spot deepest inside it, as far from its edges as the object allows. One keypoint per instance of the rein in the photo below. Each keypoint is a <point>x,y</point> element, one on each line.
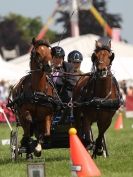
<point>70,74</point>
<point>64,73</point>
<point>34,70</point>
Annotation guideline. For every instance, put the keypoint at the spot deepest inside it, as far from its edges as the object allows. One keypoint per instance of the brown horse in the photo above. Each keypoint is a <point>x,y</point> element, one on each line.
<point>97,97</point>
<point>32,98</point>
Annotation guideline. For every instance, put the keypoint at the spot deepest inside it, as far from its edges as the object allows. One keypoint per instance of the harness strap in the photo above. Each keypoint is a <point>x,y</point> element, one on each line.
<point>100,102</point>
<point>118,91</point>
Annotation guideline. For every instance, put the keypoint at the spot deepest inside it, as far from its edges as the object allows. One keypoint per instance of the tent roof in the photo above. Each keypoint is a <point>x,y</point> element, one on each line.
<point>122,64</point>
<point>86,44</point>
<point>10,71</point>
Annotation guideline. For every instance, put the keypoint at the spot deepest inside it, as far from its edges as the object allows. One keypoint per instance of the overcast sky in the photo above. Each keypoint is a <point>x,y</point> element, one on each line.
<point>43,8</point>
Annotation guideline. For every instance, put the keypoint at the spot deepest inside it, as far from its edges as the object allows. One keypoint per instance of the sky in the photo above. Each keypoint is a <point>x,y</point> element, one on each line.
<point>44,8</point>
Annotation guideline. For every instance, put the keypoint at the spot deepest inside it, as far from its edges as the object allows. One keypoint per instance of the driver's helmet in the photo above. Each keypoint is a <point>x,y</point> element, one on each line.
<point>57,51</point>
<point>75,57</point>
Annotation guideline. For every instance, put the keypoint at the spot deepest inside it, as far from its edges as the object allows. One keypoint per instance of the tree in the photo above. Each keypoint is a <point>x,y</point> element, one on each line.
<point>65,20</point>
<point>10,36</point>
<point>19,30</point>
<point>27,26</point>
<point>87,22</point>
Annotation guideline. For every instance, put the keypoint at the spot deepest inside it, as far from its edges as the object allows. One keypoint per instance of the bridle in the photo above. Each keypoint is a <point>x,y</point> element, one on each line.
<point>41,64</point>
<point>104,72</point>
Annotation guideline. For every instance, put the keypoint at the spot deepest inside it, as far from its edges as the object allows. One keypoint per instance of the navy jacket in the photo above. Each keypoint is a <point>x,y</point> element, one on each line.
<point>65,83</point>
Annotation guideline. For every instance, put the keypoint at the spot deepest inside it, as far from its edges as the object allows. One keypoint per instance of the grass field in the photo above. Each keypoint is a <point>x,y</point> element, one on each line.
<point>57,161</point>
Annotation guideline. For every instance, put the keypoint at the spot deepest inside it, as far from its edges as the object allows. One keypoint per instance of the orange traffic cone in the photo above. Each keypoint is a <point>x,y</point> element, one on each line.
<point>119,122</point>
<point>82,163</point>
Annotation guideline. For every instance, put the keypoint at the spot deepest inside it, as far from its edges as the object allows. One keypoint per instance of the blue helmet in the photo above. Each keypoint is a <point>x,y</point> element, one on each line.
<point>75,56</point>
<point>57,51</point>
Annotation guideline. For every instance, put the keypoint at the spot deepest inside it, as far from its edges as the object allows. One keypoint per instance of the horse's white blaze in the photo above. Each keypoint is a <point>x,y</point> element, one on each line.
<point>38,147</point>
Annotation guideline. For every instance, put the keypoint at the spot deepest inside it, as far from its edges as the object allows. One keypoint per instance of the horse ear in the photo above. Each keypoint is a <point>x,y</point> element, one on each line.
<point>109,45</point>
<point>47,41</point>
<point>93,57</point>
<point>98,44</point>
<point>112,56</point>
<point>33,40</point>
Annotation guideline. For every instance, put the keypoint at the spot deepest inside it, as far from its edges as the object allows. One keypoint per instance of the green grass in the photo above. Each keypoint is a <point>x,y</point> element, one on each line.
<point>57,161</point>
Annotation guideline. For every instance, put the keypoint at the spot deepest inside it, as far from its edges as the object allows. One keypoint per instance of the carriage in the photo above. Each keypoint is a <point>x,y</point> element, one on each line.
<point>39,109</point>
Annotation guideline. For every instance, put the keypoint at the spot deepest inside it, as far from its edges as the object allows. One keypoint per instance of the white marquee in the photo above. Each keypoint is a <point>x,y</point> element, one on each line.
<point>121,66</point>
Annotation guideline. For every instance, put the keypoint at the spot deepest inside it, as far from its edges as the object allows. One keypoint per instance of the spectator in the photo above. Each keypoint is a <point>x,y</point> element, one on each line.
<point>130,91</point>
<point>123,86</point>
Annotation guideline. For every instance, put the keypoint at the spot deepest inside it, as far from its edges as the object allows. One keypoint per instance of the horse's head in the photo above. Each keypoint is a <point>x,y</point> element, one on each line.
<point>102,57</point>
<point>41,55</point>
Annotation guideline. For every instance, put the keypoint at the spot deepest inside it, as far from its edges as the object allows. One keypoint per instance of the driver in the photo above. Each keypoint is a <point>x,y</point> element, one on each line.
<point>63,83</point>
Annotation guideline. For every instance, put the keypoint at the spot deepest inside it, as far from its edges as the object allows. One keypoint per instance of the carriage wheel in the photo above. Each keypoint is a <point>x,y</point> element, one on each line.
<point>14,145</point>
<point>105,150</point>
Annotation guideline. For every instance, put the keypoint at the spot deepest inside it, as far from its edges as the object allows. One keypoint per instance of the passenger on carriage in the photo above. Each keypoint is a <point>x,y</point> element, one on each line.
<point>76,58</point>
<point>64,82</point>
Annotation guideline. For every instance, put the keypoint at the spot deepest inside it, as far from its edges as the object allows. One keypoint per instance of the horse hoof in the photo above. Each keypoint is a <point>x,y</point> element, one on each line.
<point>100,151</point>
<point>29,156</point>
<point>105,155</point>
<point>37,154</point>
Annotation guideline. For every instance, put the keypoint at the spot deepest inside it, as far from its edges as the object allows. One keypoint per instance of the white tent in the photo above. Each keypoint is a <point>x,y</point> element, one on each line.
<point>22,61</point>
<point>86,44</point>
<point>10,72</point>
<point>121,66</point>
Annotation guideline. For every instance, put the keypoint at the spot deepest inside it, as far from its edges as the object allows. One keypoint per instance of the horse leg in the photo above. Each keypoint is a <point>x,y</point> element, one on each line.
<point>38,148</point>
<point>40,138</point>
<point>47,125</point>
<point>100,141</point>
<point>26,140</point>
<point>98,148</point>
<point>88,136</point>
<point>43,134</point>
